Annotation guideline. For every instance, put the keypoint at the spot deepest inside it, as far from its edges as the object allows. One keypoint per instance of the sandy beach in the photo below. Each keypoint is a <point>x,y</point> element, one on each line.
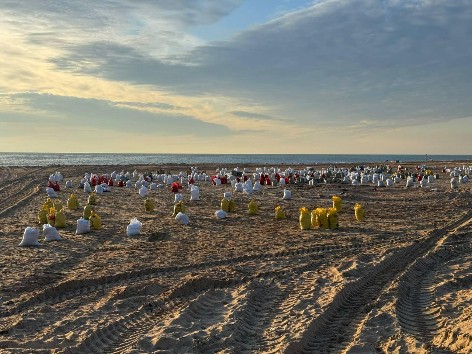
<point>400,281</point>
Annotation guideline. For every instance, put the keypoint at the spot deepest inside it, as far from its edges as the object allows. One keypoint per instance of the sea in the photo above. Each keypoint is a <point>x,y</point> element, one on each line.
<point>226,160</point>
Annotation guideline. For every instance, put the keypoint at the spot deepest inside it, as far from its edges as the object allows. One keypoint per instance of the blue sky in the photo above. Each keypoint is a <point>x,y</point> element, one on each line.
<point>234,76</point>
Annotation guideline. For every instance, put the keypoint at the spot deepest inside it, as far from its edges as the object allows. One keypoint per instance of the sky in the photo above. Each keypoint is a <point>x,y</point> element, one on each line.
<point>236,76</point>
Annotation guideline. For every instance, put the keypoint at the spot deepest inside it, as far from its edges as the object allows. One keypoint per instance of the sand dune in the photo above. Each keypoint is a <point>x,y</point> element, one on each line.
<point>398,282</point>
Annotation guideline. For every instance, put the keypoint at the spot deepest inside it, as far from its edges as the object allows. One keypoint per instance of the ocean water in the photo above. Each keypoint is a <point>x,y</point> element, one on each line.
<point>57,159</point>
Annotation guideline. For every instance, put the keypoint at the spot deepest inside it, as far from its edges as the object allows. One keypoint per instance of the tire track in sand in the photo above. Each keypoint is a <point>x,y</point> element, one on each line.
<point>418,312</point>
<point>333,329</point>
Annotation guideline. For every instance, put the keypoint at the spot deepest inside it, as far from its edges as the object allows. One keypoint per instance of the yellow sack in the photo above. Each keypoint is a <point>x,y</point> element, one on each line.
<point>279,213</point>
<point>95,221</point>
<point>314,219</point>
<point>178,208</point>
<point>359,212</point>
<point>72,202</point>
<point>48,204</point>
<point>91,199</point>
<point>337,203</point>
<point>58,205</point>
<point>333,218</point>
<point>87,211</point>
<point>322,218</point>
<point>148,205</point>
<point>252,208</point>
<point>52,217</point>
<point>305,219</point>
<point>60,220</point>
<point>225,204</point>
<point>43,216</point>
<point>231,206</point>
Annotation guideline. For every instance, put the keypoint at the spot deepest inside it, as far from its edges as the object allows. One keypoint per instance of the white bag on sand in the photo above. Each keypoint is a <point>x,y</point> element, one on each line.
<point>98,189</point>
<point>30,237</point>
<point>134,227</point>
<point>83,226</point>
<point>153,186</point>
<point>282,182</point>
<point>182,218</point>
<point>227,195</point>
<point>287,194</point>
<point>143,191</point>
<point>50,233</point>
<point>423,183</point>
<point>454,183</point>
<point>389,182</point>
<point>257,186</point>
<point>220,214</point>
<point>177,197</point>
<point>195,193</point>
<point>238,187</point>
<point>87,188</point>
<point>51,192</point>
<point>129,184</point>
<point>69,184</point>
<point>409,182</point>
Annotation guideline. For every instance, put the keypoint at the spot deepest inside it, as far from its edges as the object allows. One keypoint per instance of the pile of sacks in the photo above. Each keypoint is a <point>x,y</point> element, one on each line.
<point>31,235</point>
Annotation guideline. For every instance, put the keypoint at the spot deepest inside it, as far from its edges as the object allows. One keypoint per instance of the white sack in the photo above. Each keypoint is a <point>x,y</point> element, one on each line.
<point>83,226</point>
<point>50,233</point>
<point>30,237</point>
<point>182,218</point>
<point>134,227</point>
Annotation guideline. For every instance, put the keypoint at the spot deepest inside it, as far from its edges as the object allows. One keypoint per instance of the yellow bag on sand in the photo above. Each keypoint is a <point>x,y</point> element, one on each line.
<point>314,219</point>
<point>305,219</point>
<point>225,204</point>
<point>178,208</point>
<point>95,221</point>
<point>43,216</point>
<point>279,213</point>
<point>333,218</point>
<point>322,218</point>
<point>52,217</point>
<point>337,203</point>
<point>359,212</point>
<point>72,202</point>
<point>48,204</point>
<point>60,220</point>
<point>87,211</point>
<point>231,206</point>
<point>149,205</point>
<point>57,205</point>
<point>252,208</point>
<point>91,199</point>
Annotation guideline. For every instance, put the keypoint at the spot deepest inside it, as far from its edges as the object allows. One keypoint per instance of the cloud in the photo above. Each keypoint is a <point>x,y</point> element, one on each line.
<point>255,116</point>
<point>70,112</point>
<point>157,27</point>
<point>336,60</point>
